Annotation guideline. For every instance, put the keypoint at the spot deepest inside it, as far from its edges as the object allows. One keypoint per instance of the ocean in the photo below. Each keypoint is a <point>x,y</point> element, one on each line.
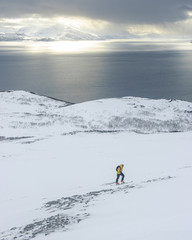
<point>102,70</point>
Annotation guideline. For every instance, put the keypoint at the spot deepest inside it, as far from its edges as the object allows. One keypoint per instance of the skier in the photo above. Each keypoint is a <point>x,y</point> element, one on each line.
<point>119,170</point>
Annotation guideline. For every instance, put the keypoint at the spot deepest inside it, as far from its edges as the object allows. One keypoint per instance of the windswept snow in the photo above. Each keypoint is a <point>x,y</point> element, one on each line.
<point>58,160</point>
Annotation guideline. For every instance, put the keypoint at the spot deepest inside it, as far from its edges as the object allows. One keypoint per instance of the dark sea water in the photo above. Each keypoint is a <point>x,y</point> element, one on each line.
<point>113,70</point>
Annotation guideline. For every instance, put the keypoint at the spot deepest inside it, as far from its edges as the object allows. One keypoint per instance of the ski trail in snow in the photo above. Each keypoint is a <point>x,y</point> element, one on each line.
<point>66,211</point>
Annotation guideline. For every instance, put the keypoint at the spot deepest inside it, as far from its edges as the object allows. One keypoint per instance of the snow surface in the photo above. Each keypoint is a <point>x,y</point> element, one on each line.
<point>58,161</point>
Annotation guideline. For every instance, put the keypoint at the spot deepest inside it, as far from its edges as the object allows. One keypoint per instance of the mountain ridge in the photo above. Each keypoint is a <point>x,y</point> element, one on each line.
<point>131,114</point>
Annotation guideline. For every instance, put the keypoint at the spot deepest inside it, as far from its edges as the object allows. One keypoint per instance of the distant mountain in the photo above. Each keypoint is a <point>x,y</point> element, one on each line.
<point>55,33</point>
<point>11,37</point>
<point>58,33</point>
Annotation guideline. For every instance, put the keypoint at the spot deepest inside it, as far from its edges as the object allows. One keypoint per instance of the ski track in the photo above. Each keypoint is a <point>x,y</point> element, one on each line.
<point>59,214</point>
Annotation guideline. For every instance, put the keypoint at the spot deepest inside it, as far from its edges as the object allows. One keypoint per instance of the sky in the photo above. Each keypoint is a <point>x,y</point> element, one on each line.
<point>140,18</point>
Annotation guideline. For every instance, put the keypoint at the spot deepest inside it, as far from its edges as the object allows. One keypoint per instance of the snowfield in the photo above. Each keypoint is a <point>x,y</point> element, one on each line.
<point>58,160</point>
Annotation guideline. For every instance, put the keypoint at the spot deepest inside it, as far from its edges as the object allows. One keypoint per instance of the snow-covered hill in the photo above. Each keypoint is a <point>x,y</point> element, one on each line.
<point>21,111</point>
<point>58,161</point>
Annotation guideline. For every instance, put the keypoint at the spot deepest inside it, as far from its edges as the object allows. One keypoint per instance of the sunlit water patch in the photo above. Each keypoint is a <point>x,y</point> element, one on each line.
<point>96,46</point>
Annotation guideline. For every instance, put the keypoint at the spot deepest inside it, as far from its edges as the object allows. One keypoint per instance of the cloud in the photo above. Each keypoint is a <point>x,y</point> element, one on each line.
<point>115,11</point>
<point>116,18</point>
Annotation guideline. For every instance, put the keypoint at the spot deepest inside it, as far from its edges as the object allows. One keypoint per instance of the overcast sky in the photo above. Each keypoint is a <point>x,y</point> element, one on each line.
<point>153,16</point>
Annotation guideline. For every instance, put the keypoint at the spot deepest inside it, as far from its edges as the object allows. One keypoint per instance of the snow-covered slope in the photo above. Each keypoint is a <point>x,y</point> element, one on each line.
<point>59,183</point>
<point>21,111</point>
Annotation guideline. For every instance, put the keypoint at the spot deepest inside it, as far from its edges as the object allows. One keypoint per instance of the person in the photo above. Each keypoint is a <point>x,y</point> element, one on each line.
<point>119,170</point>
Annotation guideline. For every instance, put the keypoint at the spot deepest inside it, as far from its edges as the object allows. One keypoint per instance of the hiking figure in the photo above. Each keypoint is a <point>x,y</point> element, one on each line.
<point>119,170</point>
